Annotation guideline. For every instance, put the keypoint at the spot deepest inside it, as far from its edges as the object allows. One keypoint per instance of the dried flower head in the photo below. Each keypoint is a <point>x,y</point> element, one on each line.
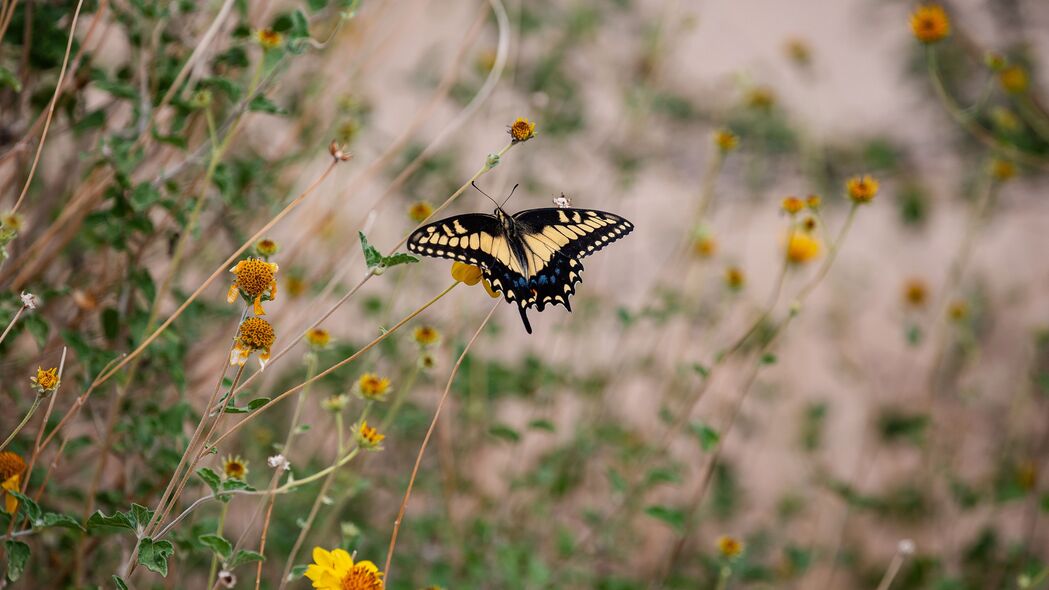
<point>1013,79</point>
<point>29,301</point>
<point>792,205</point>
<point>522,130</point>
<point>862,189</point>
<point>915,293</point>
<point>725,140</point>
<point>729,547</point>
<point>336,570</point>
<point>11,468</point>
<point>802,248</point>
<point>930,24</point>
<point>336,403</point>
<point>227,579</point>
<point>372,387</point>
<point>318,338</point>
<point>734,278</point>
<point>278,462</point>
<point>906,547</point>
<point>809,224</point>
<point>338,153</point>
<point>254,335</point>
<point>11,220</point>
<point>420,211</point>
<point>255,280</point>
<point>427,361</point>
<point>269,39</point>
<point>45,382</point>
<point>426,336</point>
<point>235,467</point>
<point>368,437</point>
<point>266,247</point>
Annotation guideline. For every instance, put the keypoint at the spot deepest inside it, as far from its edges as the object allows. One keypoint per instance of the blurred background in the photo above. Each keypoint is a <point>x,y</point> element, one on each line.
<point>846,390</point>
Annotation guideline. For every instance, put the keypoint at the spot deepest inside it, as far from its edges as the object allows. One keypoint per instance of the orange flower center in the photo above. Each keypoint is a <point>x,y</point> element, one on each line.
<point>361,577</point>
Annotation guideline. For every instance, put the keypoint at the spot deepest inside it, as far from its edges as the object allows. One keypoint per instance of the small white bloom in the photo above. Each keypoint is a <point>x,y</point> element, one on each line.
<point>906,547</point>
<point>562,202</point>
<point>278,462</point>
<point>29,300</point>
<point>227,579</point>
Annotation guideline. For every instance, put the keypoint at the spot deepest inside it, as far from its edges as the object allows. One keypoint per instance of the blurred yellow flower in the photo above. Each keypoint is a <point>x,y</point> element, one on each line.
<point>729,546</point>
<point>235,467</point>
<point>368,438</point>
<point>798,50</point>
<point>420,211</point>
<point>929,23</point>
<point>734,278</point>
<point>266,247</point>
<point>11,468</point>
<point>255,279</point>
<point>372,387</point>
<point>802,248</point>
<point>254,335</point>
<point>1013,79</point>
<point>1002,170</point>
<point>761,98</point>
<point>45,381</point>
<point>426,336</point>
<point>295,286</point>
<point>862,189</point>
<point>269,39</point>
<point>335,570</point>
<point>813,202</point>
<point>522,130</point>
<point>958,310</point>
<point>915,292</point>
<point>726,140</point>
<point>12,220</point>
<point>318,338</point>
<point>792,205</point>
<point>705,246</point>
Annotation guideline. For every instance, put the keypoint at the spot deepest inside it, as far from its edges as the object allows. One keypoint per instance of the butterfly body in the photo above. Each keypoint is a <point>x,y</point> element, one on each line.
<point>531,257</point>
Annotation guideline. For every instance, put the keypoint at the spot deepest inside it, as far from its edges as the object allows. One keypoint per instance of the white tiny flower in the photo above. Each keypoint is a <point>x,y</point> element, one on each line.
<point>906,547</point>
<point>29,300</point>
<point>278,462</point>
<point>227,579</point>
<point>562,202</point>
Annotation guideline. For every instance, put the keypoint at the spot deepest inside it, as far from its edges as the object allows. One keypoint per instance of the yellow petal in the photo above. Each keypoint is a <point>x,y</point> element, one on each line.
<point>466,273</point>
<point>343,561</point>
<point>323,558</point>
<point>371,567</point>
<point>12,483</point>
<point>488,288</point>
<point>231,295</point>
<point>258,306</point>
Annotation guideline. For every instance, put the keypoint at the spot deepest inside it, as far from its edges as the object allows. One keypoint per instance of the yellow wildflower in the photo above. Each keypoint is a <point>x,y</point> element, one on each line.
<point>958,310</point>
<point>372,387</point>
<point>813,202</point>
<point>318,338</point>
<point>266,247</point>
<point>420,211</point>
<point>269,39</point>
<point>725,140</point>
<point>522,130</point>
<point>862,189</point>
<point>255,335</point>
<point>11,468</point>
<point>1002,170</point>
<point>295,285</point>
<point>761,98</point>
<point>798,50</point>
<point>368,437</point>
<point>256,282</point>
<point>426,336</point>
<point>930,24</point>
<point>705,246</point>
<point>792,205</point>
<point>235,467</point>
<point>12,220</point>
<point>1013,79</point>
<point>45,381</point>
<point>734,278</point>
<point>335,570</point>
<point>915,292</point>
<point>730,547</point>
<point>802,248</point>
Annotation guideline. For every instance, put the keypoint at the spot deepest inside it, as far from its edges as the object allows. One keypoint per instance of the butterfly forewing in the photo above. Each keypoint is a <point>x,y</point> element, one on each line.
<point>575,233</point>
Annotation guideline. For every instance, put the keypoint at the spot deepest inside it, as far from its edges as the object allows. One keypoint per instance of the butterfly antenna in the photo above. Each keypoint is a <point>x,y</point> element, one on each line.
<point>510,195</point>
<point>474,184</point>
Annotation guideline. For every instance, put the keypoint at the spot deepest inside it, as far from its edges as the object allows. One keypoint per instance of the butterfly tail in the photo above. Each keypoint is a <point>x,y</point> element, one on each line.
<point>524,318</point>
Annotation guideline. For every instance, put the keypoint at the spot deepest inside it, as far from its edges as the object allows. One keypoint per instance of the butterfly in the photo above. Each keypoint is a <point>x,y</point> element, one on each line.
<point>531,257</point>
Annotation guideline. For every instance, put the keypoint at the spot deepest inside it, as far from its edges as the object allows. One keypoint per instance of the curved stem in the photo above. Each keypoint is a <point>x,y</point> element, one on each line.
<point>21,425</point>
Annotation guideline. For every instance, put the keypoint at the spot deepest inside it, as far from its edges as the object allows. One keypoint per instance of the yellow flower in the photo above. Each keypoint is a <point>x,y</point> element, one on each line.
<point>347,130</point>
<point>522,130</point>
<point>862,189</point>
<point>725,140</point>
<point>295,286</point>
<point>335,403</point>
<point>930,24</point>
<point>730,546</point>
<point>734,278</point>
<point>466,273</point>
<point>266,247</point>
<point>1002,170</point>
<point>11,468</point>
<point>802,248</point>
<point>254,335</point>
<point>761,98</point>
<point>426,336</point>
<point>256,282</point>
<point>705,246</point>
<point>809,224</point>
<point>318,338</point>
<point>45,381</point>
<point>958,310</point>
<point>235,467</point>
<point>335,570</point>
<point>372,387</point>
<point>367,437</point>
<point>12,220</point>
<point>1013,79</point>
<point>799,51</point>
<point>1005,120</point>
<point>268,38</point>
<point>915,292</point>
<point>420,211</point>
<point>792,205</point>
<point>813,202</point>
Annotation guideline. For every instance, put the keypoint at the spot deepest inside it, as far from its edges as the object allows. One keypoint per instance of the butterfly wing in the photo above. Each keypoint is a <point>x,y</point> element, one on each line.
<point>478,239</point>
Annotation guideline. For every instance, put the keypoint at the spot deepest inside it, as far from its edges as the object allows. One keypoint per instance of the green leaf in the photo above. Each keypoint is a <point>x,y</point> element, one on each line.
<point>110,322</point>
<point>17,557</point>
<point>54,519</point>
<point>223,85</point>
<point>216,543</point>
<point>154,555</point>
<point>300,27</point>
<point>542,425</point>
<point>141,516</point>
<point>261,104</point>
<point>243,556</point>
<point>372,257</point>
<point>258,403</point>
<point>660,475</point>
<point>618,482</point>
<point>144,196</point>
<point>316,5</point>
<point>504,432</point>
<point>701,370</point>
<point>28,508</point>
<point>398,258</point>
<point>7,78</point>
<point>708,437</point>
<point>671,516</point>
<point>120,584</point>
<point>210,477</point>
<point>119,520</point>
<point>297,572</point>
<point>768,359</point>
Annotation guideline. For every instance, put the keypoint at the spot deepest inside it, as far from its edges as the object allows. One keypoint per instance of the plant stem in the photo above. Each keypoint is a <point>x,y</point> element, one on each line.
<point>21,425</point>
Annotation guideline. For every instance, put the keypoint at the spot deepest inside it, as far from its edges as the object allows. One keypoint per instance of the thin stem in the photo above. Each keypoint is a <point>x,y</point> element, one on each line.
<point>214,569</point>
<point>426,441</point>
<point>11,324</point>
<point>21,425</point>
<point>890,574</point>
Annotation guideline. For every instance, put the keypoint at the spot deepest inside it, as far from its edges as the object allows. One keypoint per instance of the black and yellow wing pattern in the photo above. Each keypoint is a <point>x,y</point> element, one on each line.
<point>532,258</point>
